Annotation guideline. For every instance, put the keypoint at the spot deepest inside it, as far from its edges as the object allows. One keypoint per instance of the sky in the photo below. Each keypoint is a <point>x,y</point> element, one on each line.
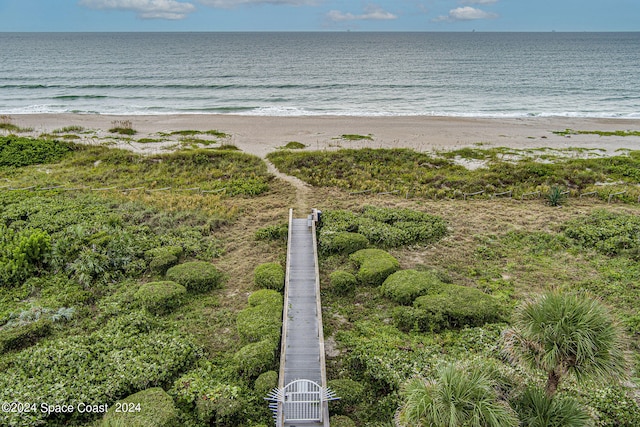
<point>319,15</point>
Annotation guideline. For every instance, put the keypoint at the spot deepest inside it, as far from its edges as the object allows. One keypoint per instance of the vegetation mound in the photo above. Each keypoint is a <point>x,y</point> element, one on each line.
<point>342,242</point>
<point>439,176</point>
<point>160,297</point>
<point>375,265</point>
<point>453,306</point>
<point>383,227</point>
<point>405,286</point>
<point>342,282</point>
<point>163,258</point>
<point>196,276</point>
<point>17,151</point>
<point>260,326</point>
<point>269,275</point>
<point>262,319</point>
<point>152,407</point>
<point>266,382</point>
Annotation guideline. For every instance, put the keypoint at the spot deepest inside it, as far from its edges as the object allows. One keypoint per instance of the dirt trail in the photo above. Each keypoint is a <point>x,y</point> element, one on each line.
<point>302,205</point>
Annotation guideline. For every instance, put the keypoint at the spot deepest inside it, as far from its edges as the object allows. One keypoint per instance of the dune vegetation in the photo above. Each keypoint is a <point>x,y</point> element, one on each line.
<point>157,280</point>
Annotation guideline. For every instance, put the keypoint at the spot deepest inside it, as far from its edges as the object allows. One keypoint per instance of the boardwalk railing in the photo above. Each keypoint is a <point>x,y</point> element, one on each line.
<point>302,395</point>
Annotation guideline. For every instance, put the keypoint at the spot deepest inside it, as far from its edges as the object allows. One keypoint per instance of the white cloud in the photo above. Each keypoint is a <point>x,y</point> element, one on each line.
<point>466,13</point>
<point>371,12</point>
<point>228,4</point>
<point>145,9</point>
<point>478,1</point>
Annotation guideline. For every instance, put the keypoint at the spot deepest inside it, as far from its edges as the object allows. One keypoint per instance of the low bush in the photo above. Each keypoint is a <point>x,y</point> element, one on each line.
<point>23,336</point>
<point>176,251</point>
<point>269,275</point>
<point>261,320</point>
<point>22,253</point>
<point>273,232</point>
<point>383,227</point>
<point>266,297</point>
<point>17,151</point>
<point>131,353</point>
<point>608,232</point>
<point>204,392</point>
<point>614,407</point>
<point>196,276</point>
<point>152,407</point>
<point>454,307</point>
<point>256,358</point>
<point>266,382</point>
<point>405,286</point>
<point>162,263</point>
<point>162,258</point>
<point>535,408</point>
<point>350,392</point>
<point>341,421</point>
<point>375,266</point>
<point>342,282</point>
<point>342,242</point>
<point>160,297</point>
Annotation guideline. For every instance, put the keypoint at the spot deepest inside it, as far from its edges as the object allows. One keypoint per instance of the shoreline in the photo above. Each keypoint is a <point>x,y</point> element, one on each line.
<point>260,135</point>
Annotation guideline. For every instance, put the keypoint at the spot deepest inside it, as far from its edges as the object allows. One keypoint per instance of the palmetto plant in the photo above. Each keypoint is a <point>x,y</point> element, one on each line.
<point>566,334</point>
<point>454,397</point>
<point>536,409</point>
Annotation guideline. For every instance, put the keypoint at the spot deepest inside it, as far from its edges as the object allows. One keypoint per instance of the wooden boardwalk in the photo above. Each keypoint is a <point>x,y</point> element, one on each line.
<point>302,349</point>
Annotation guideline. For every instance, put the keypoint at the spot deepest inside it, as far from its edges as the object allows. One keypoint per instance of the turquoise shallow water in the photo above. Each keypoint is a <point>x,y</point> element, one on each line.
<point>451,74</point>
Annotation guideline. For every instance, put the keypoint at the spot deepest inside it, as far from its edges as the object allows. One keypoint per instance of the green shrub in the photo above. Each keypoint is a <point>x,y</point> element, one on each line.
<point>16,151</point>
<point>266,296</point>
<point>350,392</point>
<point>384,227</point>
<point>22,253</point>
<point>203,390</point>
<point>269,275</point>
<point>176,251</point>
<point>273,232</point>
<point>375,266</point>
<point>262,319</point>
<point>162,263</point>
<point>294,145</point>
<point>405,286</point>
<point>256,358</point>
<point>163,258</point>
<point>266,382</point>
<point>455,306</point>
<point>23,336</point>
<point>132,352</point>
<point>609,233</point>
<point>260,322</point>
<point>342,282</point>
<point>196,276</point>
<point>341,421</point>
<point>535,408</point>
<point>614,407</point>
<point>342,242</point>
<point>160,297</point>
<point>152,407</point>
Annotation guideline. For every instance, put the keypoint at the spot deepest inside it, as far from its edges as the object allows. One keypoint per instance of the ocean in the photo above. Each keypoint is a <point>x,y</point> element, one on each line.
<point>297,74</point>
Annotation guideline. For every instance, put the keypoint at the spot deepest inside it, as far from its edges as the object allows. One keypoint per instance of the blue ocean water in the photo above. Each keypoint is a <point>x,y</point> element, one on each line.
<point>349,73</point>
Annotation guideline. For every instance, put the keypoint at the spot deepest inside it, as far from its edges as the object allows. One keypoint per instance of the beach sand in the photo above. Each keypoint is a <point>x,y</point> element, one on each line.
<point>260,135</point>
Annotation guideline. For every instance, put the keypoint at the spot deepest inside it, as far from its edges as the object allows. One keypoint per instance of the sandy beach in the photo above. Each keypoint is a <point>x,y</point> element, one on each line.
<point>260,135</point>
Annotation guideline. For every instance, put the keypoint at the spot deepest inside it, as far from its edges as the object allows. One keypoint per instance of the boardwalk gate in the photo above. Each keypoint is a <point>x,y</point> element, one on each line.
<point>301,401</point>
